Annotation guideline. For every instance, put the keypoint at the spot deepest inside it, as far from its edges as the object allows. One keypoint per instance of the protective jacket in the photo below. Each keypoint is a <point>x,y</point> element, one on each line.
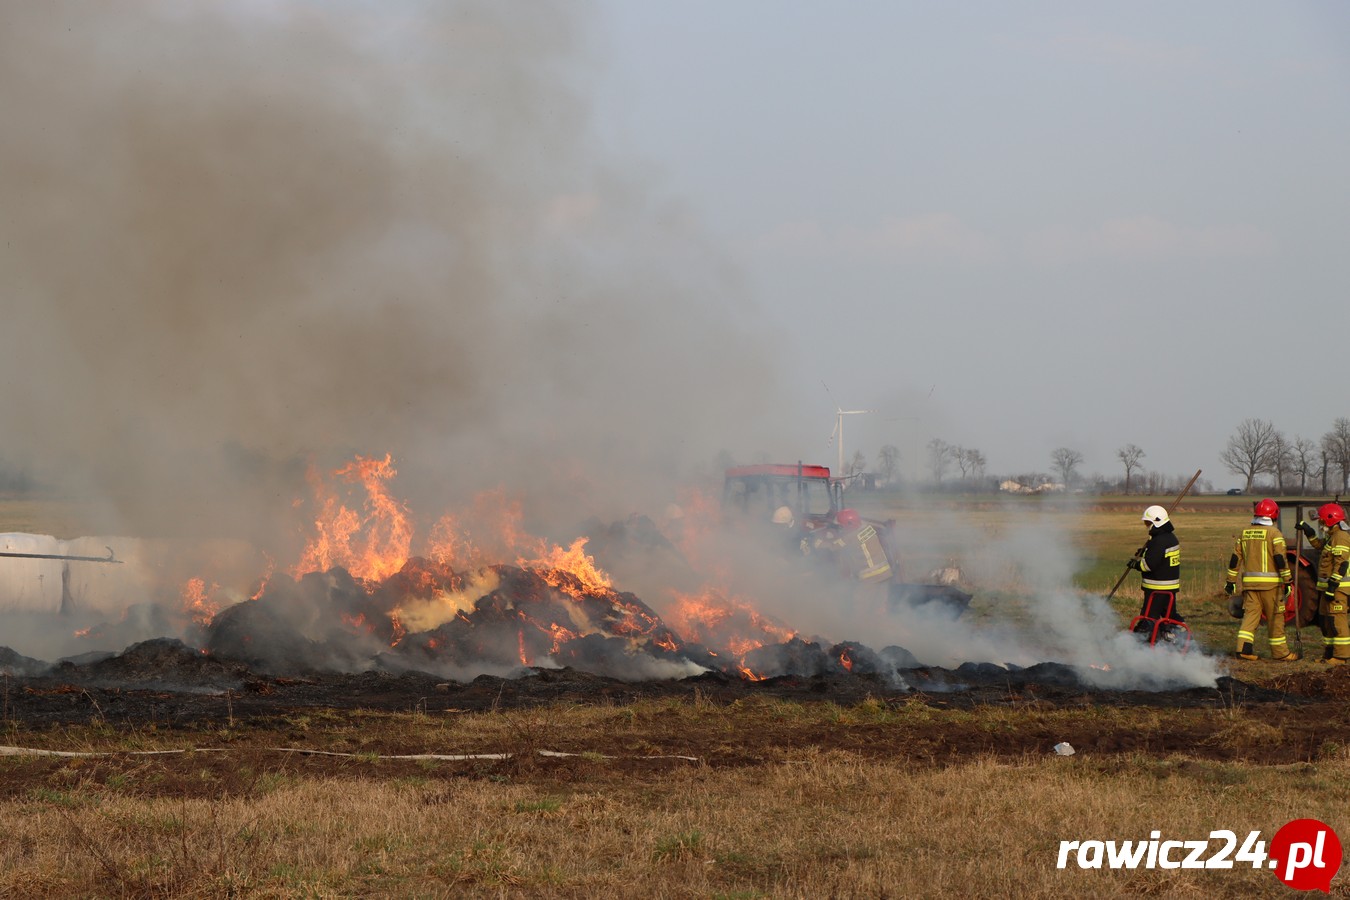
<point>1334,605</point>
<point>1161,564</point>
<point>1259,559</point>
<point>1334,560</point>
<point>1259,567</point>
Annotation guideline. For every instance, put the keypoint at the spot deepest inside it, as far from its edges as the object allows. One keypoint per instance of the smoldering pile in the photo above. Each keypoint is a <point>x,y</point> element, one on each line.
<point>500,620</point>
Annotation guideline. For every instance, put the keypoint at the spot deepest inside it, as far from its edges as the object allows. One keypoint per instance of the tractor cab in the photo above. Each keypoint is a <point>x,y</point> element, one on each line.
<point>831,536</point>
<point>758,491</point>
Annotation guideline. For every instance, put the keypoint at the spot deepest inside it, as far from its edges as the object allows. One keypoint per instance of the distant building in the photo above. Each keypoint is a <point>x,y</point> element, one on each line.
<point>1017,487</point>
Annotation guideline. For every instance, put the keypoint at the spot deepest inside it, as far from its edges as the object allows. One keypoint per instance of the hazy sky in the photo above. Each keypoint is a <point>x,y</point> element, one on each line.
<point>565,247</point>
<point>1014,226</point>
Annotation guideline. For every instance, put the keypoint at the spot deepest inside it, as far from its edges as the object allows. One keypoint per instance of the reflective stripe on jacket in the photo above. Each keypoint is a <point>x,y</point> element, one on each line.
<point>1161,565</point>
<point>1334,559</point>
<point>1259,559</point>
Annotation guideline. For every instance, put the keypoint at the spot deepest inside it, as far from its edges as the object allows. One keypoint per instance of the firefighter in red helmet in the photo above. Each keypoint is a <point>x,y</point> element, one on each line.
<point>1332,563</point>
<point>856,548</point>
<point>1259,567</point>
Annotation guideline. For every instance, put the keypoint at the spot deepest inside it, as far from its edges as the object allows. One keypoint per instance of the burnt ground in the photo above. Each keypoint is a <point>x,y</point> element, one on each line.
<point>166,683</point>
<point>243,725</point>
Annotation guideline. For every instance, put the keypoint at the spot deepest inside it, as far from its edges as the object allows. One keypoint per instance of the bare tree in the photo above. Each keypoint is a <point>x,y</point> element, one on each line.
<point>1336,447</point>
<point>1250,449</point>
<point>889,461</point>
<point>970,461</point>
<point>1281,459</point>
<point>1130,456</point>
<point>1065,462</point>
<point>976,461</point>
<point>858,464</point>
<point>962,463</point>
<point>940,456</point>
<point>1303,457</point>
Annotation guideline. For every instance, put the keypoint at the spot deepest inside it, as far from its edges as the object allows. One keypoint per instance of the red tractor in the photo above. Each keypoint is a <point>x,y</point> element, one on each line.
<point>807,506</point>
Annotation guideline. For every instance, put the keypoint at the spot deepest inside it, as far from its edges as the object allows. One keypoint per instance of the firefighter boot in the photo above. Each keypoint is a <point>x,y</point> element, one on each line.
<point>1328,636</point>
<point>1337,661</point>
<point>1247,651</point>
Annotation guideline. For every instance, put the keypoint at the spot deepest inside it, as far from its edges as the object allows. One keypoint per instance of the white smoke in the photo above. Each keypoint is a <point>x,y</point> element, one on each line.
<point>1043,617</point>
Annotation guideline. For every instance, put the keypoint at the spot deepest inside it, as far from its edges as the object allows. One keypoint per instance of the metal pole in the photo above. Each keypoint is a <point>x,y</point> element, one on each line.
<point>1297,591</point>
<point>101,559</point>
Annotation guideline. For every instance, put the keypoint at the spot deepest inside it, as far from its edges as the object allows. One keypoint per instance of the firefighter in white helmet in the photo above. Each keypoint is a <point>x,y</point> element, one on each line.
<point>1159,562</point>
<point>786,523</point>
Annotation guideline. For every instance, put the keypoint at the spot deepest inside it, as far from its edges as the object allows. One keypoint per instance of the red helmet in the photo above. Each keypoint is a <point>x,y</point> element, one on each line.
<point>1268,508</point>
<point>848,518</point>
<point>1330,514</point>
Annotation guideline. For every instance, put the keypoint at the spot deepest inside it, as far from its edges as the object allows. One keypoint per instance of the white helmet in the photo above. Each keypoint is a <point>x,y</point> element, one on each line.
<point>1156,515</point>
<point>782,516</point>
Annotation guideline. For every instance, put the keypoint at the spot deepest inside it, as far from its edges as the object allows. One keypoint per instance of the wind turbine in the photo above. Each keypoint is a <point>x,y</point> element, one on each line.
<point>838,433</point>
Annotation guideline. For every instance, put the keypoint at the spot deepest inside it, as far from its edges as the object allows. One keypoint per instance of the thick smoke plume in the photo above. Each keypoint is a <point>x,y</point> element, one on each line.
<point>240,236</point>
<point>247,241</point>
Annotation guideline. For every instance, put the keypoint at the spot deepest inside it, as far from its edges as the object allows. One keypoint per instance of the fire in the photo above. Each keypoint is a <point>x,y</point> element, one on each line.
<point>358,622</point>
<point>495,535</point>
<point>266,577</point>
<point>555,561</point>
<point>197,602</point>
<point>846,661</point>
<point>372,544</point>
<point>419,597</point>
<point>717,619</point>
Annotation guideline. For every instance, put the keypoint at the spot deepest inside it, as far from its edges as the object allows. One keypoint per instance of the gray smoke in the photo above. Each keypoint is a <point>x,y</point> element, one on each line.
<point>239,237</point>
<point>1035,557</point>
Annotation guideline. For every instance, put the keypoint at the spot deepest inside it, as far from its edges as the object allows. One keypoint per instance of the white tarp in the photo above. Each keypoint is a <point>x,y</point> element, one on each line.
<point>147,571</point>
<point>155,570</point>
<point>30,585</point>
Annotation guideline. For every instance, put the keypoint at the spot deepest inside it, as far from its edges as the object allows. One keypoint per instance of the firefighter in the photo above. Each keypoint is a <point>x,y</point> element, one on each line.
<point>1332,562</point>
<point>785,524</point>
<point>1159,562</point>
<point>861,553</point>
<point>1259,566</point>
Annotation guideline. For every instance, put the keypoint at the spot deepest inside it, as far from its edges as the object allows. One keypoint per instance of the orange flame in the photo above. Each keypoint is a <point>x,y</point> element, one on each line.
<point>750,675</point>
<point>495,536</point>
<point>372,544</point>
<point>266,577</point>
<point>719,620</point>
<point>197,602</point>
<point>573,561</point>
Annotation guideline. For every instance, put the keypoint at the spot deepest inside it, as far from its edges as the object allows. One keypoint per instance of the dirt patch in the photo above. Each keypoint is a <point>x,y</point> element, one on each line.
<point>244,731</point>
<point>1329,684</point>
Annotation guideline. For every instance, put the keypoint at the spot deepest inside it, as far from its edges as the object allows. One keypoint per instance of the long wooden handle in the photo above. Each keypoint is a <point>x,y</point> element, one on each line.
<point>1140,552</point>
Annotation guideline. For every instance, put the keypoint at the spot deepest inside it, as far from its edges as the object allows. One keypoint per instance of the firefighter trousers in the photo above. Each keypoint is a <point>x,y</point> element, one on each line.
<point>1335,629</point>
<point>1268,602</point>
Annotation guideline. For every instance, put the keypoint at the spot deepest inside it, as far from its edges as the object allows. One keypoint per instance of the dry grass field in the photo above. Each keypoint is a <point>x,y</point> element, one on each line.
<point>694,798</point>
<point>854,802</point>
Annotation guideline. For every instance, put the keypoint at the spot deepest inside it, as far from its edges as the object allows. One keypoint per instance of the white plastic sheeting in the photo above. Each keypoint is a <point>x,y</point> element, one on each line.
<point>148,571</point>
<point>31,585</point>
